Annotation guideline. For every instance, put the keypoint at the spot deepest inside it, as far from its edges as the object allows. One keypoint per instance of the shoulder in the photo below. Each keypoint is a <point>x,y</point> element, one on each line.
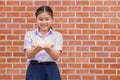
<point>56,33</point>
<point>32,32</point>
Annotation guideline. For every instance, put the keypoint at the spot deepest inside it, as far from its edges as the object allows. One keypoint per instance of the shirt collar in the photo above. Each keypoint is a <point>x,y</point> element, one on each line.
<point>38,33</point>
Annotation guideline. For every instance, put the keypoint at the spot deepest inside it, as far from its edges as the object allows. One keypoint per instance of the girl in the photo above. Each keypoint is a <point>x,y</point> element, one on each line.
<point>43,47</point>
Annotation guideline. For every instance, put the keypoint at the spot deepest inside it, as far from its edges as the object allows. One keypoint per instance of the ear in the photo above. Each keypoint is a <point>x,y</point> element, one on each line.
<point>53,20</point>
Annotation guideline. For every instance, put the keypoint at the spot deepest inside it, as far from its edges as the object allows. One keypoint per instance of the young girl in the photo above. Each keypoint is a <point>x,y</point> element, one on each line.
<point>43,47</point>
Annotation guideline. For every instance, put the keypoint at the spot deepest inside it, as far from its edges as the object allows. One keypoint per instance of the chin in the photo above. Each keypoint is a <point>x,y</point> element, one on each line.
<point>44,29</point>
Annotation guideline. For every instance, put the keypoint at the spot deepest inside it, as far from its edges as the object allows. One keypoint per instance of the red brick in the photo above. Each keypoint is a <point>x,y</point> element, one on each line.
<point>88,54</point>
<point>88,20</point>
<point>81,59</point>
<point>5,20</point>
<point>109,71</point>
<point>26,3</point>
<point>102,77</point>
<point>88,65</point>
<point>55,3</point>
<point>13,60</point>
<point>5,77</point>
<point>27,14</point>
<point>82,71</point>
<point>12,3</point>
<point>115,54</point>
<point>2,14</point>
<point>86,8</point>
<point>60,8</point>
<point>110,49</point>
<point>82,26</point>
<point>110,37</point>
<point>79,48</point>
<point>13,71</point>
<point>2,71</point>
<point>102,66</point>
<point>4,65</point>
<point>18,77</point>
<point>74,31</point>
<point>40,3</point>
<point>68,2</point>
<point>109,60</point>
<point>102,54</point>
<point>68,60</point>
<point>114,77</point>
<point>2,2</point>
<point>95,71</point>
<point>108,26</point>
<point>96,60</point>
<point>17,65</point>
<point>5,54</point>
<point>5,8</point>
<point>68,71</point>
<point>74,66</point>
<point>102,43</point>
<point>19,32</point>
<point>115,66</point>
<point>88,77</point>
<point>102,8</point>
<point>18,8</point>
<point>12,37</point>
<point>19,20</point>
<point>13,26</point>
<point>88,32</point>
<point>82,2</point>
<point>95,14</point>
<point>96,2</point>
<point>74,8</point>
<point>82,14</point>
<point>109,2</point>
<point>19,54</point>
<point>74,77</point>
<point>68,14</point>
<point>81,37</point>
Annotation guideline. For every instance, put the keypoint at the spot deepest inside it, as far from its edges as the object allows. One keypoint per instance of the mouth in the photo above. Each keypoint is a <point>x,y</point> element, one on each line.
<point>44,26</point>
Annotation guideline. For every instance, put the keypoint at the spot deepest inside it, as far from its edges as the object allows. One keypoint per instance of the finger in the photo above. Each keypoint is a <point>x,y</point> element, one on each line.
<point>34,46</point>
<point>52,46</point>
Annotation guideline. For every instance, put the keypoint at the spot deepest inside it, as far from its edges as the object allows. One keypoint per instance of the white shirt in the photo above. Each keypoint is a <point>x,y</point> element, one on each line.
<point>35,37</point>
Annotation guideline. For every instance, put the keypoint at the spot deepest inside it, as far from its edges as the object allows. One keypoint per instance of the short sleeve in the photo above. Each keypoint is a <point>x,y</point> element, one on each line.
<point>58,41</point>
<point>27,41</point>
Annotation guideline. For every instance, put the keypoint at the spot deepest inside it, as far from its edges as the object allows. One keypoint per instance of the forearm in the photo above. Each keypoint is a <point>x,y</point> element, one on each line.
<point>31,53</point>
<point>54,54</point>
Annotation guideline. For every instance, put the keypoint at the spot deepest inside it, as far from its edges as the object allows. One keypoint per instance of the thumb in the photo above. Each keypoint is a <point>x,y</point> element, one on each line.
<point>52,46</point>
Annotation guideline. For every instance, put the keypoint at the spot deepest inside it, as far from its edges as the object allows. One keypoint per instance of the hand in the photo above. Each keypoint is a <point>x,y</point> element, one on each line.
<point>47,48</point>
<point>37,47</point>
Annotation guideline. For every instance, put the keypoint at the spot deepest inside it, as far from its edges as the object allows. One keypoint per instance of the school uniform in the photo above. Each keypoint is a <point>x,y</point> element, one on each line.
<point>42,66</point>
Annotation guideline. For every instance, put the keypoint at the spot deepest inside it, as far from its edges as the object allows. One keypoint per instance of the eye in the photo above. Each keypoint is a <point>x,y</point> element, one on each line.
<point>47,19</point>
<point>40,19</point>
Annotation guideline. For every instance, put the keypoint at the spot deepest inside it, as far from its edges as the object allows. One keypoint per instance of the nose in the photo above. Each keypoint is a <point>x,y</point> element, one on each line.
<point>43,21</point>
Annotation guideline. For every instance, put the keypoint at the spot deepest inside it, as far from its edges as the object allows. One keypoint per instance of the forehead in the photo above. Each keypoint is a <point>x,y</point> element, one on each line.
<point>44,14</point>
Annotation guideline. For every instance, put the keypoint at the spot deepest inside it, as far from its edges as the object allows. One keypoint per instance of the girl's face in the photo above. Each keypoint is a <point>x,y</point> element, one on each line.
<point>44,21</point>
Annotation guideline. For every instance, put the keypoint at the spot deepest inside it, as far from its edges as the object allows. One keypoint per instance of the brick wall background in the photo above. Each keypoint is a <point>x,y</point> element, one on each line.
<point>91,32</point>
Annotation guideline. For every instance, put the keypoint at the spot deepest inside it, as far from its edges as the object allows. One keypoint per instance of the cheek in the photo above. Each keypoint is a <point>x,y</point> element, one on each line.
<point>50,22</point>
<point>39,22</point>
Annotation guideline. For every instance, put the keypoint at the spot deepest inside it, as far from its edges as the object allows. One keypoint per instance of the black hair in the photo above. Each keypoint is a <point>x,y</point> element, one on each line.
<point>44,9</point>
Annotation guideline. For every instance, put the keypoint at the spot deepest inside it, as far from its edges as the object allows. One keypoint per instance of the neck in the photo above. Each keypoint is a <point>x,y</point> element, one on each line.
<point>43,32</point>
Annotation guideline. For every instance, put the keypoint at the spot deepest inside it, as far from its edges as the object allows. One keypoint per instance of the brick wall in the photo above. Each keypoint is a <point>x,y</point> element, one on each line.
<point>90,29</point>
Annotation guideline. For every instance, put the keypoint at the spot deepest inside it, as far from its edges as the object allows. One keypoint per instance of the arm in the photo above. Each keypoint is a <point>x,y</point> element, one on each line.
<point>54,54</point>
<point>32,52</point>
